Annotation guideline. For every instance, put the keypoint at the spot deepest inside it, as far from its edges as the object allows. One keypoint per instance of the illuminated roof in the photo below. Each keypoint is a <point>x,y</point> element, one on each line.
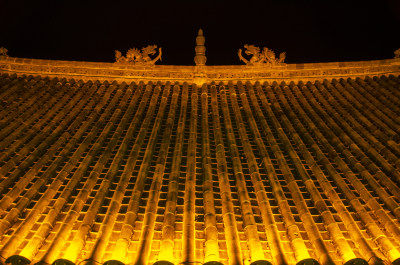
<point>233,173</point>
<point>136,163</point>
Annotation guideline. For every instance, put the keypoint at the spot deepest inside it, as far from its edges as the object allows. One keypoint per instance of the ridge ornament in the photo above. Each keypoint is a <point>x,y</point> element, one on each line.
<point>266,57</point>
<point>139,57</point>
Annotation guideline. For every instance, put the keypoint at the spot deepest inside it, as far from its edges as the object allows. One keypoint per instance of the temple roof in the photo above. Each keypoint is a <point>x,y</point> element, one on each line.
<point>103,163</point>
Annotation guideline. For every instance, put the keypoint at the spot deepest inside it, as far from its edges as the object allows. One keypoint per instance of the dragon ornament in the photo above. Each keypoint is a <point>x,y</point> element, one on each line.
<point>139,57</point>
<point>258,58</point>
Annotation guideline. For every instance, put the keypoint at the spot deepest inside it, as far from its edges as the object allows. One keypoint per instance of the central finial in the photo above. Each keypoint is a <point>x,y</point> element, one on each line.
<point>200,58</point>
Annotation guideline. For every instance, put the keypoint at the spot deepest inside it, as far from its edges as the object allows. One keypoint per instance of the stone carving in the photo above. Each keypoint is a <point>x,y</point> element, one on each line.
<point>397,53</point>
<point>200,58</point>
<point>266,57</point>
<point>3,51</point>
<point>137,57</point>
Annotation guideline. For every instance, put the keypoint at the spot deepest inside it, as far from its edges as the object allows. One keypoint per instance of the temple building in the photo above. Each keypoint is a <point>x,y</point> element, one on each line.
<point>261,163</point>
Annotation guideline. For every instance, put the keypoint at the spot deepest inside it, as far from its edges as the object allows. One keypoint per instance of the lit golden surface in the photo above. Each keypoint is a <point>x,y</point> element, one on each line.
<point>145,172</point>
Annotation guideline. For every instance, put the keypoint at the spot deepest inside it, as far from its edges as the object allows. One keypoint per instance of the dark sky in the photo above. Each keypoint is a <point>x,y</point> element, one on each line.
<point>309,31</point>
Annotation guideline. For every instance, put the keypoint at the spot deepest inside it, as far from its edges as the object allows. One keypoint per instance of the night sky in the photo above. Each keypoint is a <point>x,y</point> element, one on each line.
<point>309,31</point>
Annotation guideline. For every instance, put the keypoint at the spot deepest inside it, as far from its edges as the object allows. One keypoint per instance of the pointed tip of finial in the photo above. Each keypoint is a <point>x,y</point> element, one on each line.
<point>200,32</point>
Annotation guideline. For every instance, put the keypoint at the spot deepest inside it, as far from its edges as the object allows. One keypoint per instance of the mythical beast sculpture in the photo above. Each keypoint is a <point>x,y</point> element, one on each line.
<point>137,57</point>
<point>266,57</point>
<point>397,53</point>
<point>3,51</point>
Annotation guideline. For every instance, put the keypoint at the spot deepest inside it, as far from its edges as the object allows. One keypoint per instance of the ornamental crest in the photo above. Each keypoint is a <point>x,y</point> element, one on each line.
<point>397,53</point>
<point>3,51</point>
<point>139,57</point>
<point>266,57</point>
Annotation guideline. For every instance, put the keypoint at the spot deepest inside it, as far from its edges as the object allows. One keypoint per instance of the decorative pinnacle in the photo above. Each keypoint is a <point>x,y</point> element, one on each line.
<point>200,58</point>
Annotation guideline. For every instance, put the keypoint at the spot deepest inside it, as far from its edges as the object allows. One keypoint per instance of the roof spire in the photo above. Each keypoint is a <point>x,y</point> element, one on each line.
<point>200,58</point>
